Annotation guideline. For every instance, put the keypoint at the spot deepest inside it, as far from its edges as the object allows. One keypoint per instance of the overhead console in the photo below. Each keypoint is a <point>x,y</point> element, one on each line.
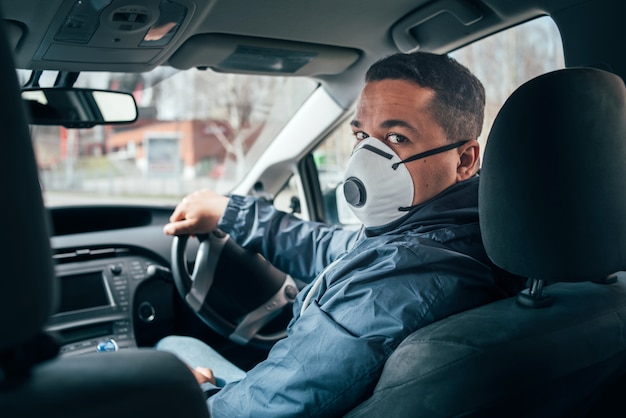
<point>106,34</point>
<point>138,35</point>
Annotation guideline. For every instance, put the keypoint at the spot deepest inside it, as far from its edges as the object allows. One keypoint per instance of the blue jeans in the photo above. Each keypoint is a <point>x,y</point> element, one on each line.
<point>195,353</point>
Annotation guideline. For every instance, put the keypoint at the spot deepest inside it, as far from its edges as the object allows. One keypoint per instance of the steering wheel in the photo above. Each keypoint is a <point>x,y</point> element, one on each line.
<point>235,291</point>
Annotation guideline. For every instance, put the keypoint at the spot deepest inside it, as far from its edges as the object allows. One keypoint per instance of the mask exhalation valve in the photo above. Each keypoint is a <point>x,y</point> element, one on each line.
<point>354,192</point>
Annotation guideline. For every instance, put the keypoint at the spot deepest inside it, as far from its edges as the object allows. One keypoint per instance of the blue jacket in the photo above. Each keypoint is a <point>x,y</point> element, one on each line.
<point>388,283</point>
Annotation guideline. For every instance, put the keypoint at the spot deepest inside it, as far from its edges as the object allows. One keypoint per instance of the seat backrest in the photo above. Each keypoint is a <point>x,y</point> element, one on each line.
<point>552,209</point>
<point>27,289</point>
<point>551,198</point>
<point>33,382</point>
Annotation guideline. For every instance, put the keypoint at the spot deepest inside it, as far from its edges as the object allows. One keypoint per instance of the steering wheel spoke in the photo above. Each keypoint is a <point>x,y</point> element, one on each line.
<point>236,292</point>
<point>255,320</point>
<point>207,256</point>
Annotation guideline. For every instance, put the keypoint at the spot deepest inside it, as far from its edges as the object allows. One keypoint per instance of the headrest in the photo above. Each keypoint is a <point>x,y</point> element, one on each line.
<point>27,278</point>
<point>551,198</point>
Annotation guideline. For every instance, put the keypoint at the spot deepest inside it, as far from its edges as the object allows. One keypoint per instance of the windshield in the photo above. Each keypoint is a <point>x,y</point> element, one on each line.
<point>196,129</point>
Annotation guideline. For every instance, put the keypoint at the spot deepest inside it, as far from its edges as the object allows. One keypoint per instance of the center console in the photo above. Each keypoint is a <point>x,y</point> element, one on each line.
<point>106,300</point>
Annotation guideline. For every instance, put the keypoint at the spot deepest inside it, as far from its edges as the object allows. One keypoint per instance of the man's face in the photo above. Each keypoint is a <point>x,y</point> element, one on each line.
<point>396,112</point>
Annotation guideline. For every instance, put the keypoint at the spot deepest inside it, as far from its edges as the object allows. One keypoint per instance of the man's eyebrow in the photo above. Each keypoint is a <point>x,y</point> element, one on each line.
<point>394,123</point>
<point>391,123</point>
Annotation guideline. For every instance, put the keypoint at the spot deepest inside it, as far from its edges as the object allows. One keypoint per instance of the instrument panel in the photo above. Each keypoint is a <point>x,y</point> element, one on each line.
<point>108,299</point>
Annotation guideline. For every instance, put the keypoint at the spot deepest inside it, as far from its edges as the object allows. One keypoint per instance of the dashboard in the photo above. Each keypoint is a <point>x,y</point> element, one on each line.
<point>112,292</point>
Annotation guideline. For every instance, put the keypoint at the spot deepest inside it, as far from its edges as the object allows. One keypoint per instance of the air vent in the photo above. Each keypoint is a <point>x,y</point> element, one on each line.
<point>85,254</point>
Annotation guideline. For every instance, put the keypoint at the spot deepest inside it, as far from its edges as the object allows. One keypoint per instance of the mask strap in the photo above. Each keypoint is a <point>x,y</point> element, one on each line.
<point>429,153</point>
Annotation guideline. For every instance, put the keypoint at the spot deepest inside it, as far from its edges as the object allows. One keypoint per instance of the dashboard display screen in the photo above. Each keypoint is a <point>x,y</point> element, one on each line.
<point>83,291</point>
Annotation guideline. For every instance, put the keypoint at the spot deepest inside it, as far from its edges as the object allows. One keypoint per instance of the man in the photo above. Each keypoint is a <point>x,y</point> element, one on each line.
<point>412,181</point>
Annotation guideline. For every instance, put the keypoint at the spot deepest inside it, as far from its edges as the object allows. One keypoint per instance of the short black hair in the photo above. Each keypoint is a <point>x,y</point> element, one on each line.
<point>459,102</point>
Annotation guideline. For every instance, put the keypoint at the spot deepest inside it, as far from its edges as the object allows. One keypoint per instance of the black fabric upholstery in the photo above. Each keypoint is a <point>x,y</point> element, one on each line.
<point>133,383</point>
<point>506,360</point>
<point>129,383</point>
<point>26,258</point>
<point>552,201</point>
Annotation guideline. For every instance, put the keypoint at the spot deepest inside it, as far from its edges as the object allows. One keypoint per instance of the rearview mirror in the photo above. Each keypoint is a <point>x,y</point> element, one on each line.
<point>78,108</point>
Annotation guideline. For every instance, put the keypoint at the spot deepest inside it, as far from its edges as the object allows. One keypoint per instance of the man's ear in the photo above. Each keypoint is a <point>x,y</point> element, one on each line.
<point>469,155</point>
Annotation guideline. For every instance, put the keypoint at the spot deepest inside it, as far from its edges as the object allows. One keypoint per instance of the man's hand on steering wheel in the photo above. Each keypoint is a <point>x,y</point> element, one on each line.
<point>222,270</point>
<point>197,213</point>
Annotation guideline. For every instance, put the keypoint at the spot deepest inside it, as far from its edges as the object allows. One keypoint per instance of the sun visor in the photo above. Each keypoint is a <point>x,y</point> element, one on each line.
<point>415,31</point>
<point>250,55</point>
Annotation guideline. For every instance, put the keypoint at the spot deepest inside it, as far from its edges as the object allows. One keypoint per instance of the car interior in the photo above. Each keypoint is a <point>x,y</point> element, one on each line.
<point>90,285</point>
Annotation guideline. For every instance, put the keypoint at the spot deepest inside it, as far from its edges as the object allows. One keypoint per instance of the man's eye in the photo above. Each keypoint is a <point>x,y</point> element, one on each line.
<point>395,138</point>
<point>360,135</point>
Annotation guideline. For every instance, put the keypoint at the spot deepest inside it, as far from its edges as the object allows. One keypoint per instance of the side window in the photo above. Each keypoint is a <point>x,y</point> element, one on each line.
<point>502,62</point>
<point>508,59</point>
<point>330,159</point>
<point>290,198</point>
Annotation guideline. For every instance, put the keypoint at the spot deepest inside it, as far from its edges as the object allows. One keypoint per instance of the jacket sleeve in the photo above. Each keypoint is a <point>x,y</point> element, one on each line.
<point>299,248</point>
<point>336,349</point>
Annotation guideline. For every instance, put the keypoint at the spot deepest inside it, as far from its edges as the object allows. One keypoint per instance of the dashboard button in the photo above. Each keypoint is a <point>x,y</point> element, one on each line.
<point>108,345</point>
<point>146,312</point>
<point>116,269</point>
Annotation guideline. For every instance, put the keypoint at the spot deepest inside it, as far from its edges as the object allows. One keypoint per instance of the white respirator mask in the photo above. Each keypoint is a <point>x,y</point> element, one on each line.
<point>378,187</point>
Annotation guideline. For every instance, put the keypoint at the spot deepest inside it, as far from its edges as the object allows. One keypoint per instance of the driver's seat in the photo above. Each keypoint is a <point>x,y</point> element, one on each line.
<point>33,381</point>
<point>553,209</point>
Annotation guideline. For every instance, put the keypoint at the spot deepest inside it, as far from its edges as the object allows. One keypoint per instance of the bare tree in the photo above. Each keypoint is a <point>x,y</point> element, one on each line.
<point>246,105</point>
<point>243,102</point>
<point>506,60</point>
